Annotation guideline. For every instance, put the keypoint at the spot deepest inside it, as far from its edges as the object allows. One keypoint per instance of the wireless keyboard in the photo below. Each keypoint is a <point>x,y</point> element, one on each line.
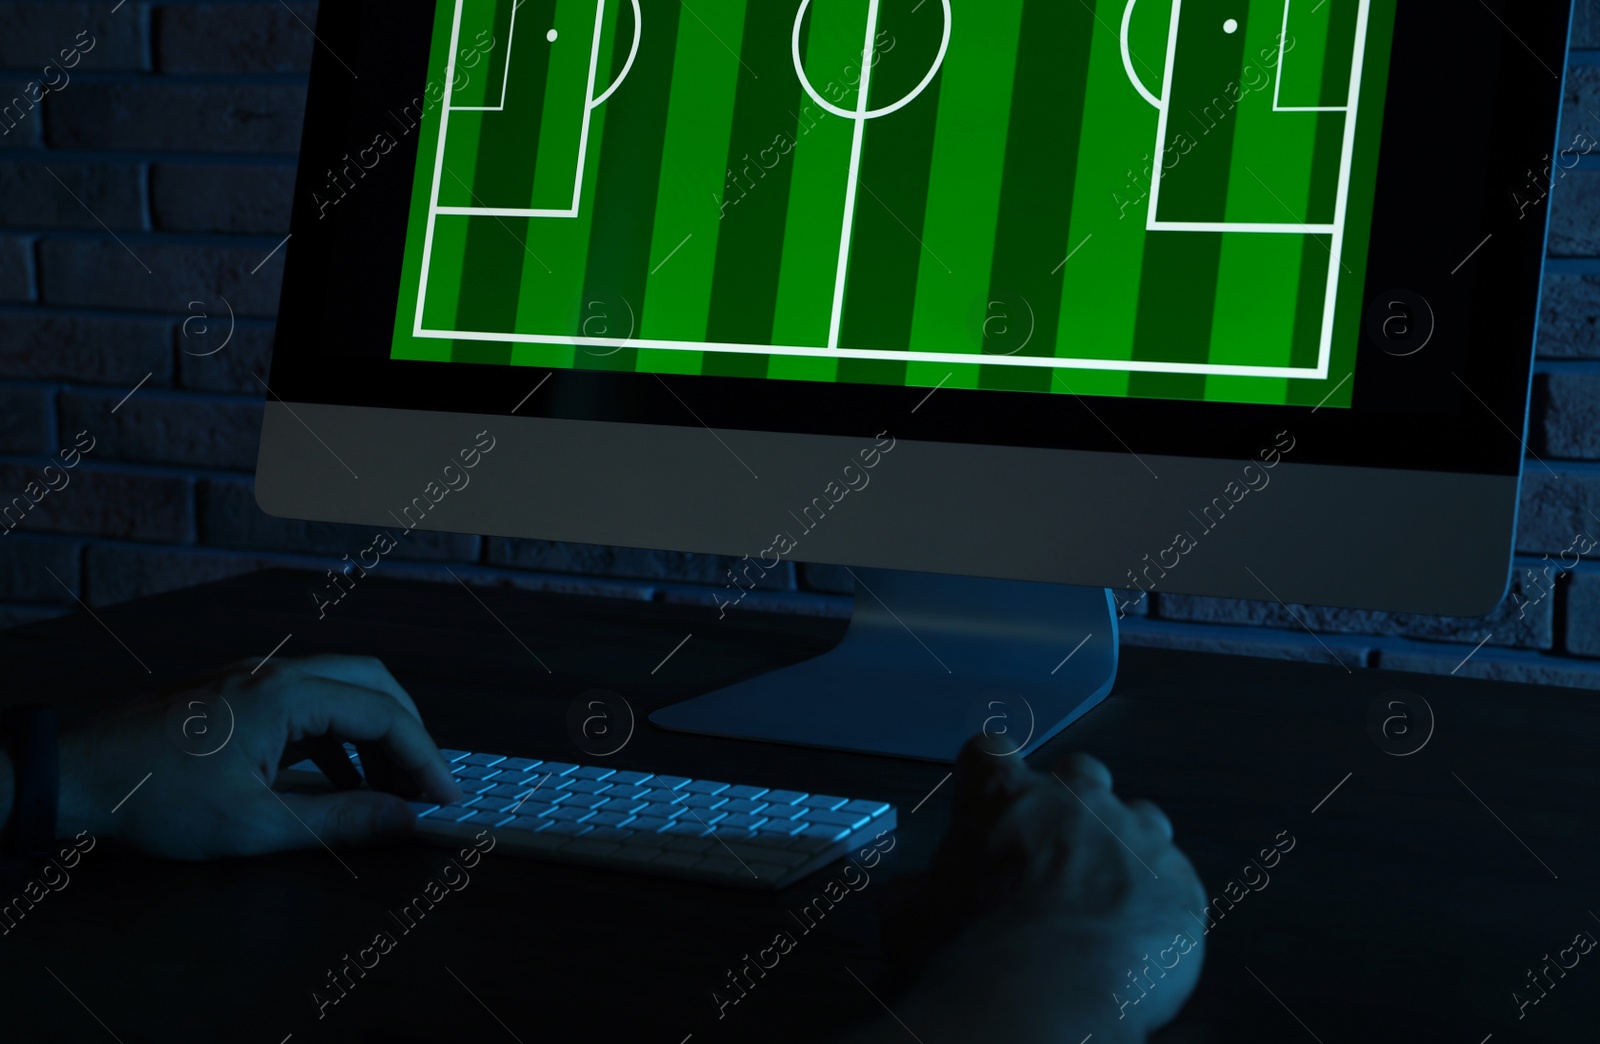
<point>670,826</point>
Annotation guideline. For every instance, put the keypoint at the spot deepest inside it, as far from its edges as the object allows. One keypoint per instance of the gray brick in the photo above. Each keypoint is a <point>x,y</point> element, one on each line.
<point>1554,507</point>
<point>1569,324</point>
<point>1583,613</point>
<point>1513,623</point>
<point>1531,668</point>
<point>104,275</point>
<point>21,117</point>
<point>234,38</point>
<point>1268,646</point>
<point>167,428</point>
<point>26,564</point>
<point>233,368</point>
<point>1580,114</point>
<point>120,574</point>
<point>22,615</point>
<point>195,198</point>
<point>1586,24</point>
<point>633,563</point>
<point>1571,419</point>
<point>86,349</point>
<point>178,116</point>
<point>25,421</point>
<point>1575,221</point>
<point>31,195</point>
<point>228,517</point>
<point>16,268</point>
<point>37,33</point>
<point>104,503</point>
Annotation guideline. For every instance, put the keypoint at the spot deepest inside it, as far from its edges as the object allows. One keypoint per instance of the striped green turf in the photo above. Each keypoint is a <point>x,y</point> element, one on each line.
<point>714,215</point>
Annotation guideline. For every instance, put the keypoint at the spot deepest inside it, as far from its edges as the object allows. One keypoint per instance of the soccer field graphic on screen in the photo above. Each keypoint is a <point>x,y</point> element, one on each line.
<point>1163,198</point>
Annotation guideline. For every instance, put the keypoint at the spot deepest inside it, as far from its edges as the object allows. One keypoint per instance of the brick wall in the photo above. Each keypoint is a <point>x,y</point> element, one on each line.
<point>155,180</point>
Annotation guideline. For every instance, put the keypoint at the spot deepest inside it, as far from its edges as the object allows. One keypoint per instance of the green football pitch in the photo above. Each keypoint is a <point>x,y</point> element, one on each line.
<point>1162,198</point>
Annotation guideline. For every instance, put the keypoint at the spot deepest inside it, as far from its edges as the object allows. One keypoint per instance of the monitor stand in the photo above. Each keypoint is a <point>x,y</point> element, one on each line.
<point>928,662</point>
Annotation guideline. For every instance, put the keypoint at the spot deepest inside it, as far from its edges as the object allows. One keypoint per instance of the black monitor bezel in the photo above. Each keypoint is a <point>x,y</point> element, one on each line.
<point>1446,180</point>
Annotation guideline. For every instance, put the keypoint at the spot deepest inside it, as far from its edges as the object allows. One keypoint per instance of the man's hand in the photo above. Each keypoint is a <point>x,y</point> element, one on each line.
<point>212,753</point>
<point>1046,893</point>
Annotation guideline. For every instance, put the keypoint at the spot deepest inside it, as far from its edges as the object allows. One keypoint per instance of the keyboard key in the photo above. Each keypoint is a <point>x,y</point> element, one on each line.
<point>744,806</point>
<point>630,791</point>
<point>590,801</point>
<point>530,824</point>
<point>453,755</point>
<point>664,796</point>
<point>741,822</point>
<point>823,832</point>
<point>628,806</point>
<point>669,782</point>
<point>607,818</point>
<point>519,764</point>
<point>648,824</point>
<point>557,768</point>
<point>422,808</point>
<point>474,772</point>
<point>742,793</point>
<point>823,801</point>
<point>785,797</point>
<point>483,759</point>
<point>660,811</point>
<point>792,812</point>
<point>585,786</point>
<point>592,772</point>
<point>781,827</point>
<point>685,828</point>
<point>701,801</point>
<point>505,790</point>
<point>566,814</point>
<point>706,786</point>
<point>866,808</point>
<point>772,853</point>
<point>851,820</point>
<point>631,779</point>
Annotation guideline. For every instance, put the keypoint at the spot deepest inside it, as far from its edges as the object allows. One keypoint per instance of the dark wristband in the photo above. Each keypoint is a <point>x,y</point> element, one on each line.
<point>29,734</point>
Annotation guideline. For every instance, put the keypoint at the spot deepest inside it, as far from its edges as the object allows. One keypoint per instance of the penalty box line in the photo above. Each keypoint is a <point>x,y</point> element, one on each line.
<point>888,354</point>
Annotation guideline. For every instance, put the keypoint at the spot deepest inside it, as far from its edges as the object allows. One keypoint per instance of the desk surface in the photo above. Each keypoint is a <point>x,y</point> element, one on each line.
<point>1414,900</point>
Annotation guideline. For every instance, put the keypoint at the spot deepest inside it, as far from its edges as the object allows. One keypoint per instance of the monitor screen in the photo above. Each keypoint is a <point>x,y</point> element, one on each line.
<point>1172,199</point>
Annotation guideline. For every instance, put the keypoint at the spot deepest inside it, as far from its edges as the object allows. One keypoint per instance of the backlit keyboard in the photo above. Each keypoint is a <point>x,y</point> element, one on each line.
<point>674,826</point>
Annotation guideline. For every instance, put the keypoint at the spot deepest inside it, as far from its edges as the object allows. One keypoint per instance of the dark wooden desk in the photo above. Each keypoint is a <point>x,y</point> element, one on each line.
<point>1407,909</point>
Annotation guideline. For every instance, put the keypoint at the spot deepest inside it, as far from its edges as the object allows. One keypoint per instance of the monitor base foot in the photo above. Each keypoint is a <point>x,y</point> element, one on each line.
<point>929,662</point>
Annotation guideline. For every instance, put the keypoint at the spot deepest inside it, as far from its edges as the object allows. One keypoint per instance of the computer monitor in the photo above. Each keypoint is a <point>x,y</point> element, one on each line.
<point>1020,309</point>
